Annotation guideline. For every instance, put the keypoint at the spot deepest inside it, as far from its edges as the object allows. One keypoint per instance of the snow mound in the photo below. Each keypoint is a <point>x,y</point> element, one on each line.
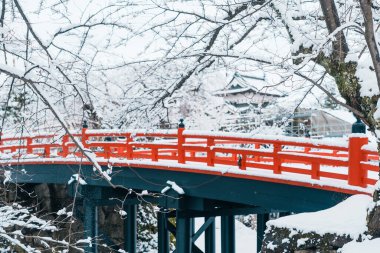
<point>368,246</point>
<point>346,218</point>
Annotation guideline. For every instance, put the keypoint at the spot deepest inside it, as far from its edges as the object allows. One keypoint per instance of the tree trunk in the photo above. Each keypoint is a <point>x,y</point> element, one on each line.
<point>373,218</point>
<point>340,48</point>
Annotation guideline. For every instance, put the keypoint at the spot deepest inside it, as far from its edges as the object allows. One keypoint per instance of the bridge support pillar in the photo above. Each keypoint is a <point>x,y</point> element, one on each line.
<point>283,214</point>
<point>192,228</point>
<point>210,237</point>
<point>260,228</point>
<point>184,230</point>
<point>163,232</point>
<point>228,233</point>
<point>130,229</point>
<point>91,225</point>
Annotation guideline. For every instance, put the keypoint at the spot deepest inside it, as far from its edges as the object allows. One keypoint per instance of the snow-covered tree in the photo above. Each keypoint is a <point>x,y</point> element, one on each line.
<point>328,45</point>
<point>20,229</point>
<point>123,63</point>
<point>147,239</point>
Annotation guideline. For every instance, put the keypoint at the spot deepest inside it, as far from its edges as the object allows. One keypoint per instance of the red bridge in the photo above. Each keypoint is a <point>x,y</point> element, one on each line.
<point>260,173</point>
<point>338,165</point>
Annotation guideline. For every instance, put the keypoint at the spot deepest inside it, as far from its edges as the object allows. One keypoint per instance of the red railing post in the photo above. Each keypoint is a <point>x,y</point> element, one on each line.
<point>242,162</point>
<point>29,142</point>
<point>47,151</point>
<point>119,150</point>
<point>256,158</point>
<point>181,141</point>
<point>210,152</point>
<point>84,135</point>
<point>315,171</point>
<point>276,159</point>
<point>129,147</point>
<point>107,151</point>
<point>234,157</point>
<point>356,174</point>
<point>65,148</point>
<point>364,158</point>
<point>154,154</point>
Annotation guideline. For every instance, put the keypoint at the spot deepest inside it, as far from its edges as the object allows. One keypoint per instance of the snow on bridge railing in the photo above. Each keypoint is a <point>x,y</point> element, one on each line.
<point>340,159</point>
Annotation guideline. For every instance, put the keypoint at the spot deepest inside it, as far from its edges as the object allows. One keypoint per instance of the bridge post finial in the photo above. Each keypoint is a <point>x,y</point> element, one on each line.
<point>85,124</point>
<point>358,127</point>
<point>181,124</point>
<point>84,136</point>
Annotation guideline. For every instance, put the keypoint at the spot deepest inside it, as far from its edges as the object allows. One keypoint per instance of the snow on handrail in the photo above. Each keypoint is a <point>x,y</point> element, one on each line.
<point>339,144</point>
<point>244,151</point>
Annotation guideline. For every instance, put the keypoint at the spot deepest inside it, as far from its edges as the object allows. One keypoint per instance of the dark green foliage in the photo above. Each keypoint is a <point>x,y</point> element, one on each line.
<point>19,100</point>
<point>147,228</point>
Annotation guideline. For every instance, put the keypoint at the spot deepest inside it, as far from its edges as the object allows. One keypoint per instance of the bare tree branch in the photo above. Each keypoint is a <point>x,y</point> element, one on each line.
<point>331,96</point>
<point>370,37</point>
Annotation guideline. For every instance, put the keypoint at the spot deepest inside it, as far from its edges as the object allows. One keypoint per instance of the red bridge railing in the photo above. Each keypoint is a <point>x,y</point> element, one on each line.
<point>350,161</point>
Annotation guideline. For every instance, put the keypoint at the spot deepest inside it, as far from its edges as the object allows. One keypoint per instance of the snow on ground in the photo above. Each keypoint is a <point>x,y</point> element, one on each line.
<point>346,218</point>
<point>245,237</point>
<point>367,246</point>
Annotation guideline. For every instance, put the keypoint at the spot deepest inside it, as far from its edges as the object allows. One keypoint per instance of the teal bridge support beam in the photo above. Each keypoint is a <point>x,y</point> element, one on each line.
<point>91,225</point>
<point>210,236</point>
<point>183,233</point>
<point>227,225</point>
<point>163,231</point>
<point>130,229</point>
<point>261,221</point>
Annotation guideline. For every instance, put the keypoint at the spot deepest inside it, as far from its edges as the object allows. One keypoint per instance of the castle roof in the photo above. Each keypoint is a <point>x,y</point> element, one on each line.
<point>255,83</point>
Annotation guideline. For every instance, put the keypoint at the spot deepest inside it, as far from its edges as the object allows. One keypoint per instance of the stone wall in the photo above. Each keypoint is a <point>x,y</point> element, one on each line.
<point>280,240</point>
